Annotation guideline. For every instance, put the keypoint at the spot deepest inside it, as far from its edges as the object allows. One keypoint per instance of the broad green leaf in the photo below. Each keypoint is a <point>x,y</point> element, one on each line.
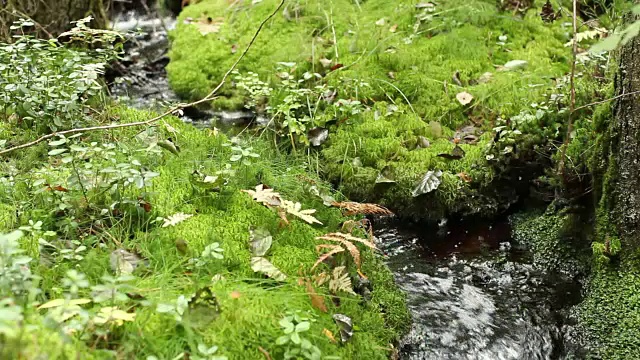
<point>55,152</point>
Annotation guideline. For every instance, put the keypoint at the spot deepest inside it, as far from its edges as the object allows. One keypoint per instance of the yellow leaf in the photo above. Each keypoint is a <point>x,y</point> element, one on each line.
<point>60,302</point>
<point>329,334</point>
<point>113,314</point>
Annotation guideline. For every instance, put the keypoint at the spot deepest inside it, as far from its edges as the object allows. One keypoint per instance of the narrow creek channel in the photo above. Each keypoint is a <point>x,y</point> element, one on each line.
<point>473,293</point>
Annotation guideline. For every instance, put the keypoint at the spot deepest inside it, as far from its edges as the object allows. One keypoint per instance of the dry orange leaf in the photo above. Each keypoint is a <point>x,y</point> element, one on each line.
<point>329,334</point>
<point>236,294</point>
<point>464,177</point>
<point>317,301</point>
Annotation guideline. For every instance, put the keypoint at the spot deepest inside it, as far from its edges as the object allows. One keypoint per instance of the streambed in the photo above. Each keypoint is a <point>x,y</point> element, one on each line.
<point>473,293</point>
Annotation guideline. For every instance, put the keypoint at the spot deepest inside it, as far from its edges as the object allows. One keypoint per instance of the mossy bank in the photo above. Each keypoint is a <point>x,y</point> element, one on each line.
<point>243,311</point>
<point>414,68</point>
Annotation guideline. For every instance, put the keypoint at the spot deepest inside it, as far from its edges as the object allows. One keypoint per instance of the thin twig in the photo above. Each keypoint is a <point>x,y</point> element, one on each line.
<point>171,110</point>
<point>606,100</point>
<point>572,105</point>
<point>265,353</point>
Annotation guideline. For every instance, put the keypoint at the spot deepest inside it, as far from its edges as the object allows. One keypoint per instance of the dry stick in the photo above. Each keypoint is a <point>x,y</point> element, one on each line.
<point>606,100</point>
<point>178,107</point>
<point>572,105</point>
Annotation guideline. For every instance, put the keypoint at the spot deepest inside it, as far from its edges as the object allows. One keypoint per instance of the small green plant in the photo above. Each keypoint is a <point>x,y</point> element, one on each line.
<point>15,275</point>
<point>177,309</point>
<point>296,345</point>
<point>211,252</point>
<point>207,353</point>
<point>47,86</point>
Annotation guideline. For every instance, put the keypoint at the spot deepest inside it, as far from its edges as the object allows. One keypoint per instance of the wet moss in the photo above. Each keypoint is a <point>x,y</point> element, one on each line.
<point>610,313</point>
<point>549,237</point>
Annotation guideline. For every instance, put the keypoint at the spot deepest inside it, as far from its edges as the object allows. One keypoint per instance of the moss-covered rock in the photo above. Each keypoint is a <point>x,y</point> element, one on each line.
<point>407,63</point>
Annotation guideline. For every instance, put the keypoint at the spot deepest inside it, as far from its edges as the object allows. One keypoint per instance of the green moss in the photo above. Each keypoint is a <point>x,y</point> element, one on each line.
<point>610,313</point>
<point>553,239</point>
<point>248,320</point>
<point>402,61</point>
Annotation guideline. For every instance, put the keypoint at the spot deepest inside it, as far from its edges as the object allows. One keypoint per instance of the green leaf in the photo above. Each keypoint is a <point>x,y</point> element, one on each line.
<point>282,340</point>
<point>58,142</point>
<point>295,338</point>
<point>235,157</point>
<point>303,326</point>
<point>55,152</point>
<point>630,32</point>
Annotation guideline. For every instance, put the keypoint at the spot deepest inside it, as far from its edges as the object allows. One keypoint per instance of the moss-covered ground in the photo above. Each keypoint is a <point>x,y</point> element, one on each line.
<point>408,62</point>
<point>249,305</point>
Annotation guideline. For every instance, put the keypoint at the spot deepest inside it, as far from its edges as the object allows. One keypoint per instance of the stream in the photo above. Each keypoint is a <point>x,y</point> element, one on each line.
<point>472,292</point>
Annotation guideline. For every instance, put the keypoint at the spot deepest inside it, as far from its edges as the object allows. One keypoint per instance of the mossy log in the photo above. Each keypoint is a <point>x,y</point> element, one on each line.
<point>52,17</point>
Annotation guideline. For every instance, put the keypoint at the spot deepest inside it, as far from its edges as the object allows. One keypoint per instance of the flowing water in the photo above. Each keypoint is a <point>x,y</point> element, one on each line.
<point>472,292</point>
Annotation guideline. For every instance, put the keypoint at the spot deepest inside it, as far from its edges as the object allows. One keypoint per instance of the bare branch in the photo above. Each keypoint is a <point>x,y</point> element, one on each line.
<point>170,111</point>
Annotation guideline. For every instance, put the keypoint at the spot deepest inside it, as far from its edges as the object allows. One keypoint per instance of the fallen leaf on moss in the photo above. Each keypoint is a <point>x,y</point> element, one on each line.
<point>261,240</point>
<point>266,196</point>
<point>317,301</point>
<point>235,294</point>
<point>430,181</point>
<point>295,209</point>
<point>464,177</point>
<point>264,266</point>
<point>176,219</point>
<point>464,98</point>
<point>209,25</point>
<point>329,335</point>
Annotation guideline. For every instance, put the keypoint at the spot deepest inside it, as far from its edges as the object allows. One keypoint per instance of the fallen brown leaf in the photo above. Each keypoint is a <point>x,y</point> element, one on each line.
<point>317,301</point>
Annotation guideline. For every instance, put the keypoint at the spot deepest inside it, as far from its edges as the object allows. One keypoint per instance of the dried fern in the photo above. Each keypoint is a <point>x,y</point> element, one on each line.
<point>272,199</point>
<point>354,208</point>
<point>346,243</point>
<point>267,197</point>
<point>175,219</point>
<point>340,281</point>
